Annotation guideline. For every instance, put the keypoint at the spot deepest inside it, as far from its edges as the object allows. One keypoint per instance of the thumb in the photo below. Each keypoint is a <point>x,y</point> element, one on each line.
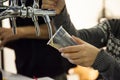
<point>78,40</point>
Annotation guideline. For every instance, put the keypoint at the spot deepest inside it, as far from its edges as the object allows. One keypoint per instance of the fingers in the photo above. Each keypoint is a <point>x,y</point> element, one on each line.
<point>49,4</point>
<point>75,48</point>
<point>71,49</point>
<point>56,5</point>
<point>83,54</point>
<point>77,58</point>
<point>72,56</point>
<point>79,61</point>
<point>78,40</point>
<point>82,62</point>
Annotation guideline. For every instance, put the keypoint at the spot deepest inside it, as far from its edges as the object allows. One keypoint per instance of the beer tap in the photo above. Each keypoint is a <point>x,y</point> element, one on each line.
<point>13,3</point>
<point>33,12</point>
<point>35,18</point>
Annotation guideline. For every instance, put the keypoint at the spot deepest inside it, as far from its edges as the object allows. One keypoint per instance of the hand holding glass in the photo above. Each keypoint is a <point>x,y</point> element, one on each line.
<point>61,39</point>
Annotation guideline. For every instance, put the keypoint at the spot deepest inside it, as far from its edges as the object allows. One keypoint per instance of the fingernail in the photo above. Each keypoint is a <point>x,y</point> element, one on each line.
<point>62,54</point>
<point>60,49</point>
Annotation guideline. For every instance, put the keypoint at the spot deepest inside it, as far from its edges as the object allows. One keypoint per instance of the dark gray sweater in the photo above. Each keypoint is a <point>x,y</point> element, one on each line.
<point>105,34</point>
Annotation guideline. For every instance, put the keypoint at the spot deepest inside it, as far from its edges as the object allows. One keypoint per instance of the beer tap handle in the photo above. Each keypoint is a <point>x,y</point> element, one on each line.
<point>37,29</point>
<point>47,21</point>
<point>13,19</point>
<point>13,3</point>
<point>35,18</point>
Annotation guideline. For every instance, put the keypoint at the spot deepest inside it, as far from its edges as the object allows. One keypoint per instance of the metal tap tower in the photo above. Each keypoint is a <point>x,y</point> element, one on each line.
<point>33,12</point>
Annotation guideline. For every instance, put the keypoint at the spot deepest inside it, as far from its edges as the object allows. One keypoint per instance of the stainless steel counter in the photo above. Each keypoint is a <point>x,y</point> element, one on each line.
<point>11,76</point>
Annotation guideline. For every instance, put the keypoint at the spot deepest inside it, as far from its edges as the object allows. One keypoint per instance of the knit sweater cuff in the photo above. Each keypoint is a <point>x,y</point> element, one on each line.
<point>102,62</point>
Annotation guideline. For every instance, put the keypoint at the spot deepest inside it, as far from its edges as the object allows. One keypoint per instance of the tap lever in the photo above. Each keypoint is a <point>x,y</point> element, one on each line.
<point>35,18</point>
<point>13,19</point>
<point>47,21</point>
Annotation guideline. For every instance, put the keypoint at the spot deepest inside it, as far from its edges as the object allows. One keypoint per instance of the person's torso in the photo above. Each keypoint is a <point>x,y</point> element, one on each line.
<point>113,43</point>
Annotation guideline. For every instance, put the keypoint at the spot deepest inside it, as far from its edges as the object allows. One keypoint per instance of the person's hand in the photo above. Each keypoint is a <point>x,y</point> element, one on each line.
<point>56,5</point>
<point>7,35</point>
<point>83,54</point>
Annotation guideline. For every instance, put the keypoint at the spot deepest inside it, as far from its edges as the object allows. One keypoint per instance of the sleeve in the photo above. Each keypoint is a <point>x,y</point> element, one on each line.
<point>96,35</point>
<point>107,66</point>
<point>114,26</point>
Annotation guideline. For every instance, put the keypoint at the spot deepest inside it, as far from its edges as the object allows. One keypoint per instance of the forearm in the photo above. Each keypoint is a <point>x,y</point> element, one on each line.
<point>92,36</point>
<point>30,32</point>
